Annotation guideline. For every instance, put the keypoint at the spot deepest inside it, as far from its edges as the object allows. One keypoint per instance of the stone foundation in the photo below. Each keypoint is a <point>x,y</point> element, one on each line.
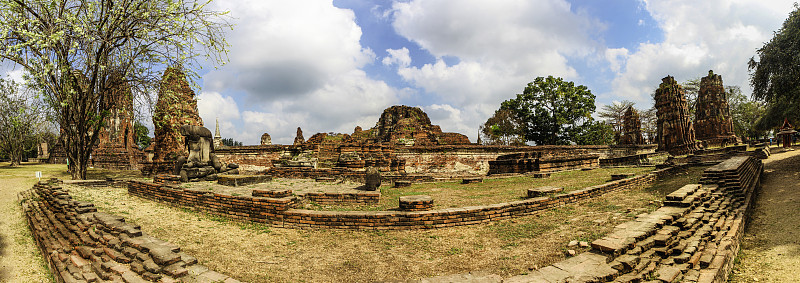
<point>694,237</point>
<point>80,244</point>
<point>538,162</point>
<point>279,212</point>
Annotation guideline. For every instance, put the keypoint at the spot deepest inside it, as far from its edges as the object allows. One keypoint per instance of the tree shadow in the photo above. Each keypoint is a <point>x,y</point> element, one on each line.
<point>3,269</point>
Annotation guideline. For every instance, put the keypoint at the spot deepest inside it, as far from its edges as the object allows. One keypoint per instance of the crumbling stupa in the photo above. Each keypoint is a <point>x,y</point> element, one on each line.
<point>115,148</point>
<point>176,107</point>
<point>631,127</point>
<point>675,131</point>
<point>404,125</point>
<point>712,122</point>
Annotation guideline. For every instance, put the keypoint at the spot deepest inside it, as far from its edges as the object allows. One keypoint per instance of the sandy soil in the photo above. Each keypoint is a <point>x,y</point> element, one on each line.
<point>20,260</point>
<point>771,247</point>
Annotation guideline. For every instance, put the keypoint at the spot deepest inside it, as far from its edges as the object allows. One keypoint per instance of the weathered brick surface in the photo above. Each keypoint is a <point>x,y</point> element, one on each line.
<point>675,131</point>
<point>694,237</point>
<point>83,245</point>
<point>541,162</point>
<point>280,212</point>
<point>713,123</point>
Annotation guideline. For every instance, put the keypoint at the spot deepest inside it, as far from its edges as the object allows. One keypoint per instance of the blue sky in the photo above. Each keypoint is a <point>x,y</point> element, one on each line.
<point>330,66</point>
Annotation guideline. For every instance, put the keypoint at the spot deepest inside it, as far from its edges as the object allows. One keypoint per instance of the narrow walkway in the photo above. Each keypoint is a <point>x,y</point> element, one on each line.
<point>770,251</point>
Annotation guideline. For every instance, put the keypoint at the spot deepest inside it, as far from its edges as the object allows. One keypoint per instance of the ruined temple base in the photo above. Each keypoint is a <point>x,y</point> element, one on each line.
<point>722,141</point>
<point>684,149</point>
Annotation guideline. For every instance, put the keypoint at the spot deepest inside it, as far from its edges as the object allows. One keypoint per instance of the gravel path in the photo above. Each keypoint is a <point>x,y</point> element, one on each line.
<point>771,247</point>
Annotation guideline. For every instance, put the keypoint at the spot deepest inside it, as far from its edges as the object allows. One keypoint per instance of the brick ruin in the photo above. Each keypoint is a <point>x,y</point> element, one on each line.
<point>542,162</point>
<point>115,147</point>
<point>631,127</point>
<point>675,131</point>
<point>693,237</point>
<point>176,106</point>
<point>712,122</point>
<point>404,125</point>
<point>80,244</point>
<point>266,139</point>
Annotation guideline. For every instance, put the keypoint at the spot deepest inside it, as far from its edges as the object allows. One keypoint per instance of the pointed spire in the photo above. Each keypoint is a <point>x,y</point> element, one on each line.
<point>216,132</point>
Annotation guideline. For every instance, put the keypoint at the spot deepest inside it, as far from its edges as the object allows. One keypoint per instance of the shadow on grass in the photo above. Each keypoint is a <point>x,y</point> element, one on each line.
<point>3,269</point>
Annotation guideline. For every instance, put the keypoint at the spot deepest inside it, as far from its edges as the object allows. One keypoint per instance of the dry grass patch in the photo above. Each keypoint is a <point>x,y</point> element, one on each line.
<point>259,253</point>
<point>455,194</point>
<point>20,259</point>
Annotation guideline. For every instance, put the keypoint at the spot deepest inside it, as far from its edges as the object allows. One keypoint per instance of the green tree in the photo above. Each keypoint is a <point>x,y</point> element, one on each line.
<point>691,89</point>
<point>775,77</point>
<point>71,48</point>
<point>141,135</point>
<point>614,112</point>
<point>230,142</point>
<point>745,113</point>
<point>21,121</point>
<point>503,128</point>
<point>551,110</point>
<point>594,133</point>
<point>649,124</point>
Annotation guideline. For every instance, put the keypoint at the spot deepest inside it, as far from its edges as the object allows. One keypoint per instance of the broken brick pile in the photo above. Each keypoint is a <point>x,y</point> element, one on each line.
<point>281,211</point>
<point>694,237</point>
<point>540,162</point>
<point>83,245</point>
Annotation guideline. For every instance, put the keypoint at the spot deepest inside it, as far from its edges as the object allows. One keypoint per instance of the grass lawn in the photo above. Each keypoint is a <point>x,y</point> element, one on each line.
<point>491,191</point>
<point>260,253</point>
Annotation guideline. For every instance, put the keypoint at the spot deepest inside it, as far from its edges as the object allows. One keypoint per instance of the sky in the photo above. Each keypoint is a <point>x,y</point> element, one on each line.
<point>329,66</point>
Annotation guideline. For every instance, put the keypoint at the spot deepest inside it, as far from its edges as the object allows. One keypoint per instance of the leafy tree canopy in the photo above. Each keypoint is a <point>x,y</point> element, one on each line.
<point>775,74</point>
<point>141,135</point>
<point>551,110</point>
<point>613,113</point>
<point>503,128</point>
<point>231,142</point>
<point>72,50</point>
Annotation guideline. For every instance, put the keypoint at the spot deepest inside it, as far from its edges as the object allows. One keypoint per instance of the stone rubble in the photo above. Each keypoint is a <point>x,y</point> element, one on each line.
<point>81,244</point>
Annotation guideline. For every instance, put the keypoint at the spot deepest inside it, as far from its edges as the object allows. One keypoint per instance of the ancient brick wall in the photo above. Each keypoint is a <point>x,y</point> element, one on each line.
<point>80,244</point>
<point>279,211</point>
<point>176,106</point>
<point>675,132</point>
<point>712,122</point>
<point>436,160</point>
<point>260,156</point>
<point>694,237</point>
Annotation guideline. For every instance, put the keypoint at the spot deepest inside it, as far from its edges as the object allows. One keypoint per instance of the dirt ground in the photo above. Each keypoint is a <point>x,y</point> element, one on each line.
<point>770,250</point>
<point>20,260</point>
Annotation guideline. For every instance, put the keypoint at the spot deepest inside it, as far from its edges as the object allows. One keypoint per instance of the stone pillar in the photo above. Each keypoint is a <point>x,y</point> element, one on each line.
<point>217,136</point>
<point>631,127</point>
<point>675,131</point>
<point>712,122</point>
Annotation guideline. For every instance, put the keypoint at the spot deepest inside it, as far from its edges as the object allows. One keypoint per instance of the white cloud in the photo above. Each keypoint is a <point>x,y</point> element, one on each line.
<point>296,63</point>
<point>500,46</point>
<point>213,106</point>
<point>397,56</point>
<point>699,36</point>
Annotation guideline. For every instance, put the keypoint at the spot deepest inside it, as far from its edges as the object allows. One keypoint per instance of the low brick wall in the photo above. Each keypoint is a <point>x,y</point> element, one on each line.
<point>539,162</point>
<point>339,198</point>
<point>694,237</point>
<point>279,212</point>
<point>246,208</point>
<point>80,244</point>
<point>630,160</point>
